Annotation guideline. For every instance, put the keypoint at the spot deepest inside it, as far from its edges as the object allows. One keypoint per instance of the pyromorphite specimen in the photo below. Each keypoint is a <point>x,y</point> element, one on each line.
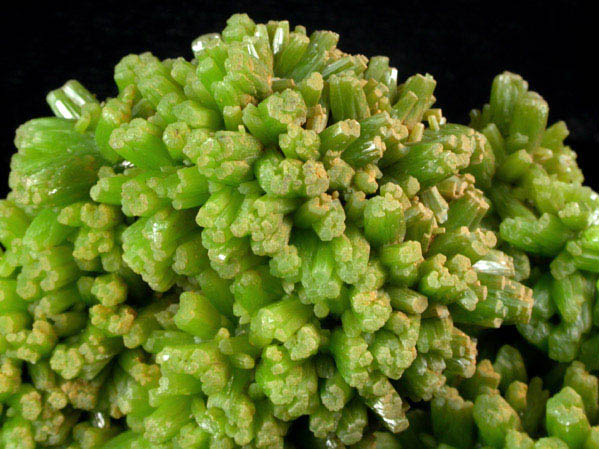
<point>275,244</point>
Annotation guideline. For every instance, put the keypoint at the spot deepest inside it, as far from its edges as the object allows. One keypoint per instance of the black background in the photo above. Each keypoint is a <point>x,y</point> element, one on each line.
<point>463,44</point>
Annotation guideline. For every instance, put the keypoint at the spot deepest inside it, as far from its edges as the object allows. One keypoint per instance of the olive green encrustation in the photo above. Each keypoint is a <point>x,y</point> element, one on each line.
<point>276,244</point>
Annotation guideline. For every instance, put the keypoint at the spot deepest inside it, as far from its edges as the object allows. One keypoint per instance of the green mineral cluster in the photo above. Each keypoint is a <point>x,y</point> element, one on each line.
<point>276,245</point>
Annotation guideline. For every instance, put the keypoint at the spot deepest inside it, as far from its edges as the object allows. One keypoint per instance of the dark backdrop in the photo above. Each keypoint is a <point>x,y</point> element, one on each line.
<point>463,44</point>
